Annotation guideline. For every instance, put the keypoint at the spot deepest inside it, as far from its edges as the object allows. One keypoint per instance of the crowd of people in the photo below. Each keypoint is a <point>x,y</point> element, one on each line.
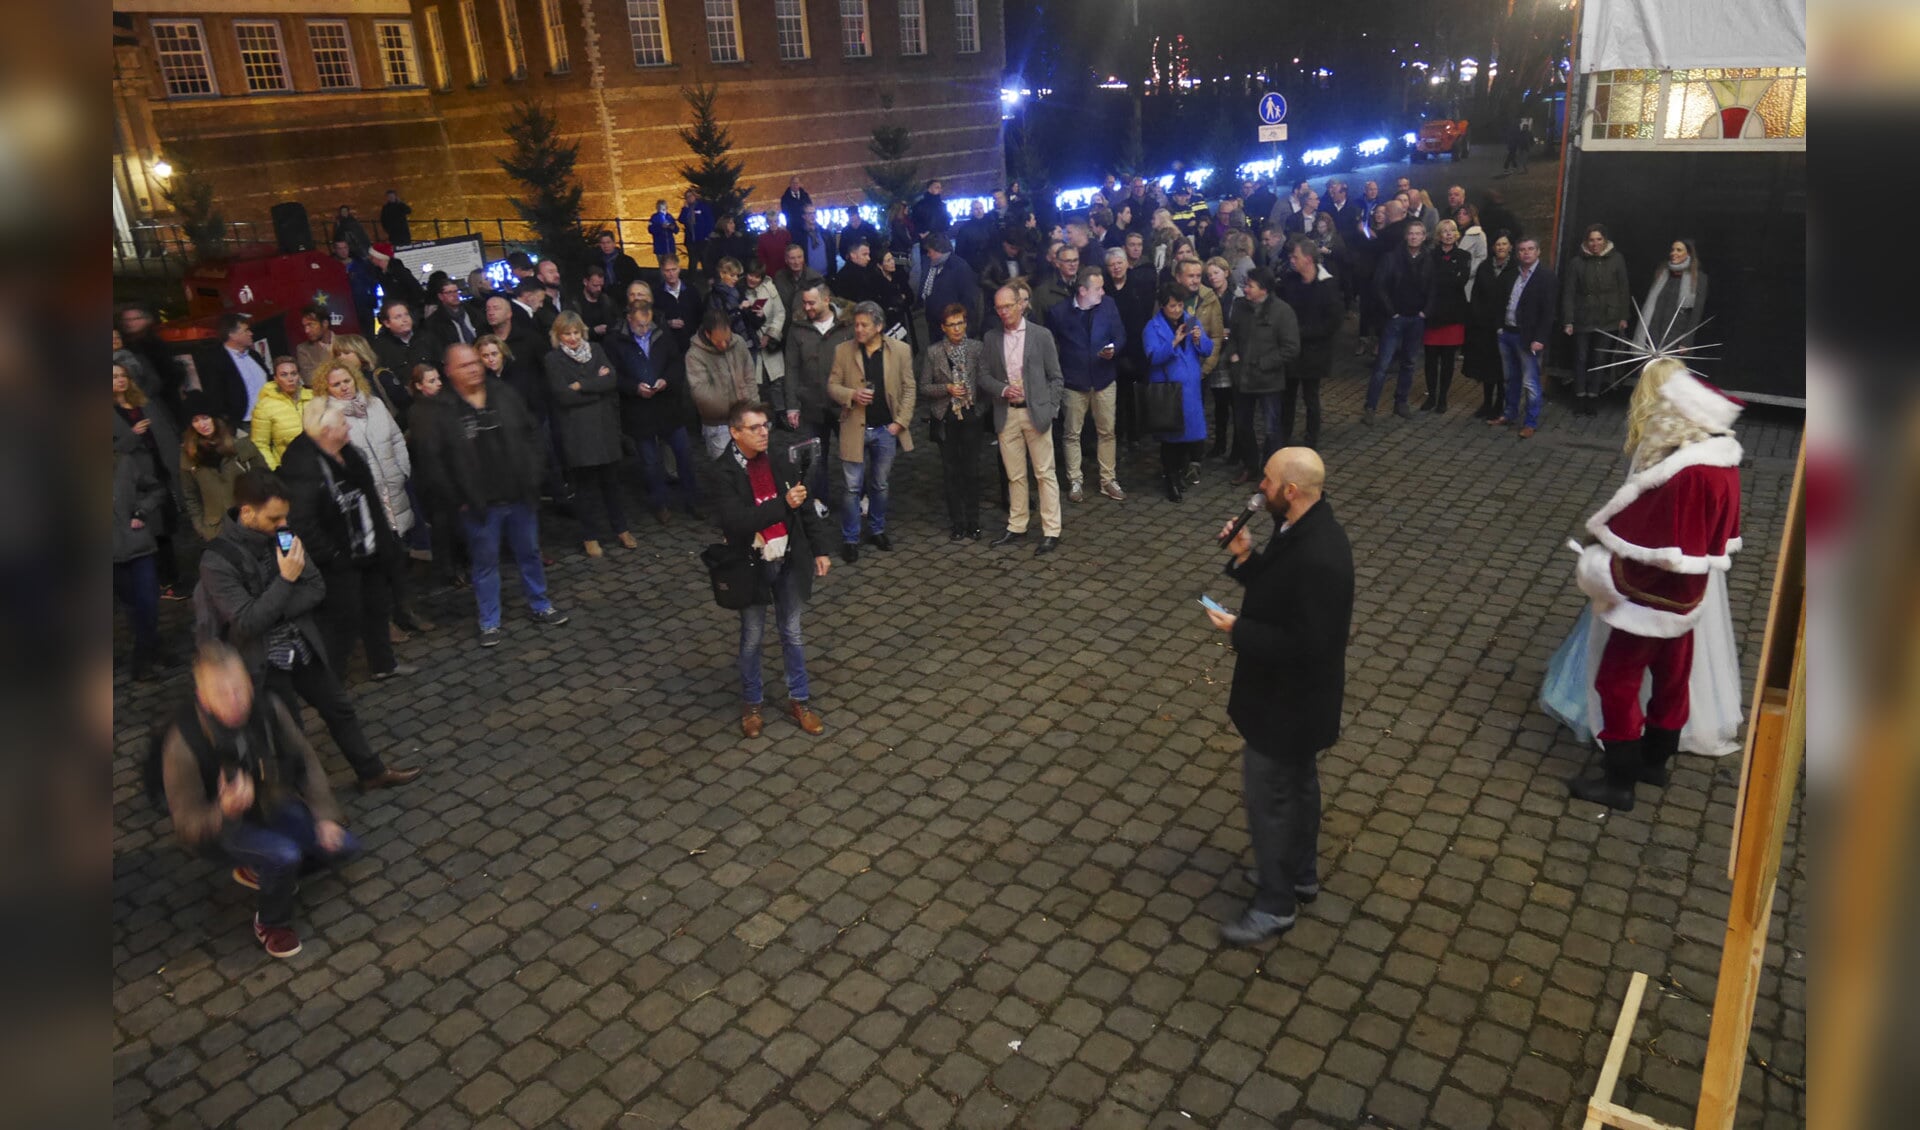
<point>310,482</point>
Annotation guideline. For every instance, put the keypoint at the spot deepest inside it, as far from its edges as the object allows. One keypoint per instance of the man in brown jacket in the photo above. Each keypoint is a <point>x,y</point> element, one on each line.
<point>872,382</point>
<point>719,372</point>
<point>243,786</point>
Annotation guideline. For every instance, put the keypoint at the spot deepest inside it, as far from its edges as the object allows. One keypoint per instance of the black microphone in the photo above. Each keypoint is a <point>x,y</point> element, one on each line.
<point>1254,506</point>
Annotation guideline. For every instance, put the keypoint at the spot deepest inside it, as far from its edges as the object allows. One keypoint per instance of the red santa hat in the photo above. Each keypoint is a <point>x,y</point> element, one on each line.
<point>1700,402</point>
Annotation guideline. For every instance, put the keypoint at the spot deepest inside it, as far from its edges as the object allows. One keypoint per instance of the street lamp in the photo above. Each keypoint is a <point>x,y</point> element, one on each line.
<point>162,169</point>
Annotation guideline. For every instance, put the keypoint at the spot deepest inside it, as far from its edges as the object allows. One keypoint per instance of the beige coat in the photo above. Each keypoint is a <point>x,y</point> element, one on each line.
<point>850,376</point>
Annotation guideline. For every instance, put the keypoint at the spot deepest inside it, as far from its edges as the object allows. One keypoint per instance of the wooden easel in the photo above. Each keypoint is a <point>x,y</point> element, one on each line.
<point>1776,744</point>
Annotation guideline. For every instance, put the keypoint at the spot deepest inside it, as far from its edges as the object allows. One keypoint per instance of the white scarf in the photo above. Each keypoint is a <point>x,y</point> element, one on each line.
<point>1683,272</point>
<point>583,354</point>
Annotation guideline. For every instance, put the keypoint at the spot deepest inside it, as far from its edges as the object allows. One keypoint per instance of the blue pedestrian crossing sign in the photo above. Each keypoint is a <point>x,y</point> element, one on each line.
<point>1273,108</point>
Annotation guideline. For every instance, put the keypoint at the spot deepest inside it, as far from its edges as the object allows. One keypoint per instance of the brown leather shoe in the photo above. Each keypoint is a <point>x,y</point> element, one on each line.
<point>388,779</point>
<point>1497,422</point>
<point>661,516</point>
<point>593,549</point>
<point>396,635</point>
<point>628,541</point>
<point>751,723</point>
<point>1526,433</point>
<point>809,721</point>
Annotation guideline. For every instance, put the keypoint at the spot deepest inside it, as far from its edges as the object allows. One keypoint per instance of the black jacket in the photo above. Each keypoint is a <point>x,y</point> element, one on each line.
<point>446,332</point>
<point>1266,338</point>
<point>645,417</point>
<point>1487,307</point>
<point>1318,307</point>
<point>1452,270</point>
<point>315,515</point>
<point>220,379</point>
<point>249,598</point>
<point>1403,282</point>
<point>1533,318</point>
<point>1289,681</point>
<point>690,306</point>
<point>443,443</point>
<point>955,282</point>
<point>741,519</point>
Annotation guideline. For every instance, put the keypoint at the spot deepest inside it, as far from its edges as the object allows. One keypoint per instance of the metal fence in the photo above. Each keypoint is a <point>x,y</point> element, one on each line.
<point>159,250</point>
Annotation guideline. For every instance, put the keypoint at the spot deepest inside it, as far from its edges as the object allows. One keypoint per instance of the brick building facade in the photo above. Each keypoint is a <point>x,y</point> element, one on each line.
<point>333,101</point>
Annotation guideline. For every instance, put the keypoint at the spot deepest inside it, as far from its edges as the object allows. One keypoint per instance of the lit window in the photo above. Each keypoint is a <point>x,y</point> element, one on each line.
<point>854,43</point>
<point>184,65</point>
<point>261,59</point>
<point>966,26</point>
<point>437,49</point>
<point>1699,105</point>
<point>476,51</point>
<point>332,55</point>
<point>723,31</point>
<point>649,29</point>
<point>397,64</point>
<point>556,36</point>
<point>790,28</point>
<point>516,46</point>
<point>913,27</point>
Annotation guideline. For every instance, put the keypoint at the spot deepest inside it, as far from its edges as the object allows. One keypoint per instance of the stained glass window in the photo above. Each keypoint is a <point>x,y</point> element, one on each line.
<point>1700,104</point>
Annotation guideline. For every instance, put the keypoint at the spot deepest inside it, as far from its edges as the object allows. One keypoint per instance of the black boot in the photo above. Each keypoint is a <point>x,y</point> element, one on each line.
<point>1657,747</point>
<point>1174,493</point>
<point>1446,386</point>
<point>1614,788</point>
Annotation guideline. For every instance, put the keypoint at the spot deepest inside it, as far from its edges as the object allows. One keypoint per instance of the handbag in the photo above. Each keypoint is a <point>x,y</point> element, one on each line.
<point>737,576</point>
<point>1163,408</point>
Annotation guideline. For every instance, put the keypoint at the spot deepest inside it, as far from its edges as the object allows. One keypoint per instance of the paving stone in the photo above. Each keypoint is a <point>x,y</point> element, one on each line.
<point>602,908</point>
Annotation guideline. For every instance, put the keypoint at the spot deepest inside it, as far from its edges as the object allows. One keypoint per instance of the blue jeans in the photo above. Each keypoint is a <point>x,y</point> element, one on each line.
<point>787,604</point>
<point>1401,337</point>
<point>522,529</point>
<point>868,478</point>
<point>1522,368</point>
<point>275,850</point>
<point>136,583</point>
<point>653,468</point>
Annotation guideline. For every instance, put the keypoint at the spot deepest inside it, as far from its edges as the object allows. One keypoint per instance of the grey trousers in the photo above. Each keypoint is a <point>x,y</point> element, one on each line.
<point>1283,818</point>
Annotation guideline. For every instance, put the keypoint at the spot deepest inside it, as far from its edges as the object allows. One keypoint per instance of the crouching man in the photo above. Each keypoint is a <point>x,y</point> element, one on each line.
<point>243,785</point>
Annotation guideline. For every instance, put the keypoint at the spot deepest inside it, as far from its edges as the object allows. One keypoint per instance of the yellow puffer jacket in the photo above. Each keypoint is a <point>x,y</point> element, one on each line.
<point>276,421</point>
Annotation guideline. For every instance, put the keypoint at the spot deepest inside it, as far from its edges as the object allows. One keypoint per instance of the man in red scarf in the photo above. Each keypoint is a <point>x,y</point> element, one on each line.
<point>763,508</point>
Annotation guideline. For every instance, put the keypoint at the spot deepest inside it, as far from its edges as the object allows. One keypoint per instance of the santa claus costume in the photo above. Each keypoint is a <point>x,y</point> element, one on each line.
<point>1657,542</point>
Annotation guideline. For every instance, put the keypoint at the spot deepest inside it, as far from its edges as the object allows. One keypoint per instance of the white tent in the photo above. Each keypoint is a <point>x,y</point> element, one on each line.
<point>1664,34</point>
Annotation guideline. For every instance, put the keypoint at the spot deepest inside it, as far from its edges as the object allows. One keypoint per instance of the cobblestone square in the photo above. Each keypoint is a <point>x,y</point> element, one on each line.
<point>988,896</point>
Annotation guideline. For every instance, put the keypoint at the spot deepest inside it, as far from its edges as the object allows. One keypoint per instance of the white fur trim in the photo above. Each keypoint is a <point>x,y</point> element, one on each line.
<point>1720,451</point>
<point>1594,575</point>
<point>1693,399</point>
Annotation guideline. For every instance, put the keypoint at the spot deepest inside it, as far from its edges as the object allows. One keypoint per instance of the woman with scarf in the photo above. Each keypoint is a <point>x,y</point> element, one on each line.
<point>376,435</point>
<point>950,383</point>
<point>586,408</point>
<point>1671,312</point>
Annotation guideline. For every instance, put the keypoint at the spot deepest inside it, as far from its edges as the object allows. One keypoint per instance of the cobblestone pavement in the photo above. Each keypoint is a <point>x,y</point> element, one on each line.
<point>988,896</point>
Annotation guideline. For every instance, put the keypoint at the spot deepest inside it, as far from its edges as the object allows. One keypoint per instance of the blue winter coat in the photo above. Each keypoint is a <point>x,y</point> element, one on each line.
<point>1181,366</point>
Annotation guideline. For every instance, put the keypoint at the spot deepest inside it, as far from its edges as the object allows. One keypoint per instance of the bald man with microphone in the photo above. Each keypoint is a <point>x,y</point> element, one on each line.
<point>1288,681</point>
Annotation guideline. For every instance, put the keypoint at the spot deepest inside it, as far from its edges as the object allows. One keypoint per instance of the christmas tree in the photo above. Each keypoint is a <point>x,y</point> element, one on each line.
<point>894,178</point>
<point>543,165</point>
<point>715,176</point>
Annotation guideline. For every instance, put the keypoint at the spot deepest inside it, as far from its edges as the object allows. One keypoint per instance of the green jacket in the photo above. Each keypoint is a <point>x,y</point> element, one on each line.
<point>1594,293</point>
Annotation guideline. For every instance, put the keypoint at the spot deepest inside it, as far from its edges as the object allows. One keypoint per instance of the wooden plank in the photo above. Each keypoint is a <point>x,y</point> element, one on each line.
<point>1624,1119</point>
<point>1776,771</point>
<point>1789,582</point>
<point>1622,1037</point>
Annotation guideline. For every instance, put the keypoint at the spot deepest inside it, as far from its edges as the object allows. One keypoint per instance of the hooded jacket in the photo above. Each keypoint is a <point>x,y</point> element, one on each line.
<point>1595,293</point>
<point>716,378</point>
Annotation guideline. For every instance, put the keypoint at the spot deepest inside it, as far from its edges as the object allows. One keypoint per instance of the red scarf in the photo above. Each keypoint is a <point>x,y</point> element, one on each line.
<point>760,476</point>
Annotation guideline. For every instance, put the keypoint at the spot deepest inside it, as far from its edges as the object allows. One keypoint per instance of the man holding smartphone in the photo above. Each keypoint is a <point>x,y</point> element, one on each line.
<point>1289,682</point>
<point>1088,331</point>
<point>258,592</point>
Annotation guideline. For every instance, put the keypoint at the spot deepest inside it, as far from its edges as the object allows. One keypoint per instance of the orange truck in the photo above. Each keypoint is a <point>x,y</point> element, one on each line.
<point>1443,135</point>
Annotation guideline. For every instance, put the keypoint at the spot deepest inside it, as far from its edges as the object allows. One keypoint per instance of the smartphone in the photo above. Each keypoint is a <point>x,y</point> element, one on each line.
<point>285,537</point>
<point>1213,605</point>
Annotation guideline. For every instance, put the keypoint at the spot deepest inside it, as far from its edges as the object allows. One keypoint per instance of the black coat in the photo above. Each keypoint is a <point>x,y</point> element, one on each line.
<point>689,307</point>
<point>1452,270</point>
<point>956,283</point>
<point>1534,316</point>
<point>648,417</point>
<point>1289,681</point>
<point>741,519</point>
<point>1320,310</point>
<point>315,515</point>
<point>447,455</point>
<point>220,379</point>
<point>1403,283</point>
<point>589,416</point>
<point>446,332</point>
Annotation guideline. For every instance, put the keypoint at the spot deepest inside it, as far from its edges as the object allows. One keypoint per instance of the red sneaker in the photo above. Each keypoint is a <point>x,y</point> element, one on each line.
<point>245,877</point>
<point>280,941</point>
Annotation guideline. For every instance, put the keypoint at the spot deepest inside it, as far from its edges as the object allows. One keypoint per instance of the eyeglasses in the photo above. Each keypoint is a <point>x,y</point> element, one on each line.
<point>759,427</point>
